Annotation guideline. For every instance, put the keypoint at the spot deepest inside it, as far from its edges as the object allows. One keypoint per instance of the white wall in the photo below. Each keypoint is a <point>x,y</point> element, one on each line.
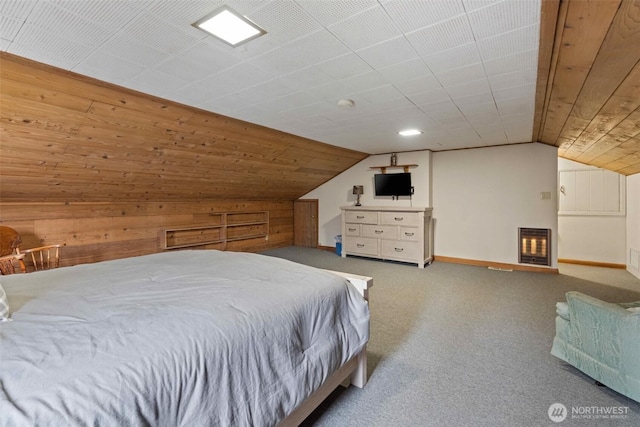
<point>596,238</point>
<point>338,191</point>
<point>633,224</point>
<point>481,196</point>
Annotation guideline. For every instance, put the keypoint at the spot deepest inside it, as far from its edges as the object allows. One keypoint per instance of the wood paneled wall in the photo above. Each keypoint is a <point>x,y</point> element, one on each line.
<point>67,137</point>
<point>98,231</point>
<point>104,170</point>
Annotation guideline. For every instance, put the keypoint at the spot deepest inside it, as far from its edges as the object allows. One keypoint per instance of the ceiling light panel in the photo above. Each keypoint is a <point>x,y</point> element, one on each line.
<point>410,132</point>
<point>229,26</point>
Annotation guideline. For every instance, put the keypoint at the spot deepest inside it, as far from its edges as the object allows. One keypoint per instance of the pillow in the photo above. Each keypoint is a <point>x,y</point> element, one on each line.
<point>4,305</point>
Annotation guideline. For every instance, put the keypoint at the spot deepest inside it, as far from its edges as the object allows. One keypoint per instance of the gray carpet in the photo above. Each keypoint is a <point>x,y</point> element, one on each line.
<point>456,345</point>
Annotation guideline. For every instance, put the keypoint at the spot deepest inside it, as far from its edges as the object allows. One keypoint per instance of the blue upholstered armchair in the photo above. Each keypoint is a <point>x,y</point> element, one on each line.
<point>601,339</point>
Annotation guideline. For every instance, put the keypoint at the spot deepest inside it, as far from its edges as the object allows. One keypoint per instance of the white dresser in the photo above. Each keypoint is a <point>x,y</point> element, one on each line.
<point>386,232</point>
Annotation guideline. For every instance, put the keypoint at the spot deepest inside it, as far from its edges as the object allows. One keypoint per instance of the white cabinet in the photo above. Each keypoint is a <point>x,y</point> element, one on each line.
<point>398,234</point>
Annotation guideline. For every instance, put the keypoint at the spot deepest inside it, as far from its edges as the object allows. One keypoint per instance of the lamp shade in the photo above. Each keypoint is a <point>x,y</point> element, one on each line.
<point>358,189</point>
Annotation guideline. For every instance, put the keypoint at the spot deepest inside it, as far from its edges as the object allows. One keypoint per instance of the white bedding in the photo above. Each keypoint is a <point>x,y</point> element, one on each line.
<point>188,338</point>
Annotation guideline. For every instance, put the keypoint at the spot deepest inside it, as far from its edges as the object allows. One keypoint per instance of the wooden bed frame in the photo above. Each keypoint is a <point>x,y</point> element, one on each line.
<point>353,372</point>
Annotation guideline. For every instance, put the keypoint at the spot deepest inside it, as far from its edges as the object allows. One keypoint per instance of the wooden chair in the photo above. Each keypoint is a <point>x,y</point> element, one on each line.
<point>9,241</point>
<point>43,257</point>
<point>8,263</point>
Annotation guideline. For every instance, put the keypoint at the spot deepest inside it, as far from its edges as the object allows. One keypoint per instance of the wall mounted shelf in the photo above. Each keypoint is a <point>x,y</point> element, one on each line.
<point>224,227</point>
<point>383,169</point>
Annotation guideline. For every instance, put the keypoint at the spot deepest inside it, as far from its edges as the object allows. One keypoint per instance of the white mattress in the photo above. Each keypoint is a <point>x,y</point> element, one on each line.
<point>182,338</point>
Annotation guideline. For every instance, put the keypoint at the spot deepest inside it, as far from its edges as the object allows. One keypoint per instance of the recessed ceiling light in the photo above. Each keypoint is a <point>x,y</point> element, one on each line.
<point>347,103</point>
<point>229,26</point>
<point>410,132</point>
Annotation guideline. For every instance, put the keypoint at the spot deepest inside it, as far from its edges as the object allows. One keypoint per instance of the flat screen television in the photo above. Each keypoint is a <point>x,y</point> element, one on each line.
<point>393,184</point>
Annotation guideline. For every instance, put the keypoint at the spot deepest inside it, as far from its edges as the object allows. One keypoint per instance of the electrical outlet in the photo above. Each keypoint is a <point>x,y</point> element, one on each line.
<point>545,195</point>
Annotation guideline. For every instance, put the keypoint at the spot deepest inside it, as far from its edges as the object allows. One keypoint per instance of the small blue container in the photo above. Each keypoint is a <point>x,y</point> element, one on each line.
<point>339,244</point>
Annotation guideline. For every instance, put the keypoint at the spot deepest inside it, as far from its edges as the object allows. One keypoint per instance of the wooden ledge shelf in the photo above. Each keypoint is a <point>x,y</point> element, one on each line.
<point>383,169</point>
<point>224,227</point>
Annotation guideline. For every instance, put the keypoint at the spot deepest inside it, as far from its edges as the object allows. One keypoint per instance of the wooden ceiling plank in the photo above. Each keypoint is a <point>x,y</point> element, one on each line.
<point>625,165</point>
<point>621,105</point>
<point>623,131</point>
<point>617,154</point>
<point>551,15</point>
<point>585,26</point>
<point>616,59</point>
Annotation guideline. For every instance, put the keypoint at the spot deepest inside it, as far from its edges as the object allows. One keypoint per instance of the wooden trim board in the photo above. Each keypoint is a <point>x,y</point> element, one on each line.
<point>592,263</point>
<point>496,265</point>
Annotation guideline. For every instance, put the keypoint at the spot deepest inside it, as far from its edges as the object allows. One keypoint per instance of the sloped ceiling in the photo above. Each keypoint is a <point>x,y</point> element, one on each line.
<point>463,71</point>
<point>588,101</point>
<point>469,73</point>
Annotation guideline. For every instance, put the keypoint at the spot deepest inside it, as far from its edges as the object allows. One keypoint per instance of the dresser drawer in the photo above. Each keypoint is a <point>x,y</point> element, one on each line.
<point>361,245</point>
<point>352,229</point>
<point>380,231</point>
<point>400,218</point>
<point>409,234</point>
<point>399,249</point>
<point>362,217</point>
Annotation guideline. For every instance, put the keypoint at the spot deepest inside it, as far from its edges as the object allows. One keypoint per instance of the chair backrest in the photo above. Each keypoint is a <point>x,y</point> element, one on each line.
<point>8,263</point>
<point>9,240</point>
<point>42,258</point>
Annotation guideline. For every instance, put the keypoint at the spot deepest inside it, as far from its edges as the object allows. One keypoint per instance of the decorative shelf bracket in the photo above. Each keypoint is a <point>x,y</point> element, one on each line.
<point>383,169</point>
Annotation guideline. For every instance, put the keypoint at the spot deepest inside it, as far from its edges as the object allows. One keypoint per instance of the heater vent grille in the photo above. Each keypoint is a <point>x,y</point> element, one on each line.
<point>534,246</point>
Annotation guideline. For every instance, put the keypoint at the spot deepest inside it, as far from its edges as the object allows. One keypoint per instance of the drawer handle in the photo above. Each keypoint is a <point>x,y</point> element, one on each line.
<point>360,245</point>
<point>352,229</point>
<point>408,234</point>
<point>360,216</point>
<point>399,249</point>
<point>398,218</point>
<point>379,231</point>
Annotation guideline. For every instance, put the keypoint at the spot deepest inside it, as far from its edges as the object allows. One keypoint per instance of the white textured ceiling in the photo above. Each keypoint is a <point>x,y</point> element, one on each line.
<point>463,71</point>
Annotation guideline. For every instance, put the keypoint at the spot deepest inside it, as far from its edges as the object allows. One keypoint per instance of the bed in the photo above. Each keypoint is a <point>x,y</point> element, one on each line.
<point>194,337</point>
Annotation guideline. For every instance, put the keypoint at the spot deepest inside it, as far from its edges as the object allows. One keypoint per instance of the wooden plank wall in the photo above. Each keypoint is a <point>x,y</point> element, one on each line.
<point>103,169</point>
<point>98,231</point>
<point>67,137</point>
